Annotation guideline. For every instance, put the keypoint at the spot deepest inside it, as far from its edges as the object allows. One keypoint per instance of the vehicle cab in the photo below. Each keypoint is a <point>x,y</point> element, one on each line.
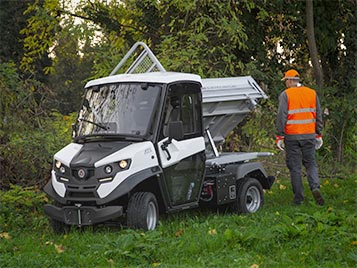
<point>131,129</point>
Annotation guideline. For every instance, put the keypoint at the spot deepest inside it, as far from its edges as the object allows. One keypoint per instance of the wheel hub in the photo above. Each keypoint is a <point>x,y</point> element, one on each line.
<point>253,199</point>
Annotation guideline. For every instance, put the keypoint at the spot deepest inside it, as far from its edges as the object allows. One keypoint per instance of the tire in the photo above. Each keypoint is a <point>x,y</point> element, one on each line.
<point>59,227</point>
<point>250,197</point>
<point>142,212</point>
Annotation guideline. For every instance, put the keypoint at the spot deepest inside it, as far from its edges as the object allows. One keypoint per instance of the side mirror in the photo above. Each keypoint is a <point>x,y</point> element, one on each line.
<point>176,130</point>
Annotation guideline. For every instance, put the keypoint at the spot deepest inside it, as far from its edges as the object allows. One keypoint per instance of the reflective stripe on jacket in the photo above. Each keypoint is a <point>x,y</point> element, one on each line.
<point>301,118</point>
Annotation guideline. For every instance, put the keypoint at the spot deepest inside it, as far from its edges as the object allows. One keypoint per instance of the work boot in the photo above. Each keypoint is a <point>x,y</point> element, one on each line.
<point>318,197</point>
<point>298,202</point>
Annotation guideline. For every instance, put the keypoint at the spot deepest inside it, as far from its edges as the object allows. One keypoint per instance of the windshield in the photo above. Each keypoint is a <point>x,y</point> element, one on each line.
<point>118,109</point>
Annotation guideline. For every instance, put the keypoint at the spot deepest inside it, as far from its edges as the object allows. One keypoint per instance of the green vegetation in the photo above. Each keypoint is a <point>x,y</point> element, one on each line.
<point>50,48</point>
<point>42,71</point>
<point>280,235</point>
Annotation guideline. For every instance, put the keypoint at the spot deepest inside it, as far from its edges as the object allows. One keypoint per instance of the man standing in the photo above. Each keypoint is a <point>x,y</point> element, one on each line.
<point>299,126</point>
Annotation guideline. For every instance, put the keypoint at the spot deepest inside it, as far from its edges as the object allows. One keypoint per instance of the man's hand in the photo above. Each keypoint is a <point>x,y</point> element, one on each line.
<point>319,142</point>
<point>280,142</point>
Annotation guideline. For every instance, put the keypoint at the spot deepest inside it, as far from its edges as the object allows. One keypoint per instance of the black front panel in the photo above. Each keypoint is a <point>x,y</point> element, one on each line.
<point>82,178</point>
<point>94,151</point>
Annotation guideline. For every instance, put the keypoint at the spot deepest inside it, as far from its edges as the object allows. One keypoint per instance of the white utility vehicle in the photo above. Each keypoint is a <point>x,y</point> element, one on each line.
<point>145,143</point>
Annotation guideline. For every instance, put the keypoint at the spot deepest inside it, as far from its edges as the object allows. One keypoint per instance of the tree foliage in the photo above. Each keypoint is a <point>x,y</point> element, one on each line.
<point>11,23</point>
<point>50,48</point>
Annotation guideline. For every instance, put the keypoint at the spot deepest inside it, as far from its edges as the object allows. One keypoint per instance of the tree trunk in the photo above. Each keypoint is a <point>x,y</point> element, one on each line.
<point>312,44</point>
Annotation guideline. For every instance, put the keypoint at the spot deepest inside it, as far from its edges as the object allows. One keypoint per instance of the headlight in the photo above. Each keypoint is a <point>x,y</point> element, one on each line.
<point>58,164</point>
<point>123,164</point>
<point>108,169</point>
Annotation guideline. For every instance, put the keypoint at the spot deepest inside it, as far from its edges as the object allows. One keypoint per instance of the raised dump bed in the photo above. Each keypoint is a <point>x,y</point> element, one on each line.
<point>226,102</point>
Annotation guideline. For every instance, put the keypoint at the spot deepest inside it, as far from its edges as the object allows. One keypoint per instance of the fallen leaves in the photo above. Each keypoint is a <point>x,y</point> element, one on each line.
<point>5,235</point>
<point>179,233</point>
<point>282,187</point>
<point>59,248</point>
<point>212,232</point>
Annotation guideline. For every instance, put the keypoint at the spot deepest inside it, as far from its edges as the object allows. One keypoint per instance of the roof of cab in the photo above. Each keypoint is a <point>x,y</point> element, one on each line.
<point>152,77</point>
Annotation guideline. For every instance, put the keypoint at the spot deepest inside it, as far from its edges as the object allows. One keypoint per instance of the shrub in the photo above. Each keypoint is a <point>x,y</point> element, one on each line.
<point>28,154</point>
<point>21,208</point>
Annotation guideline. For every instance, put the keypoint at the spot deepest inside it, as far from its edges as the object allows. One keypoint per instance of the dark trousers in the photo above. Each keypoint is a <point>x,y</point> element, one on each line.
<point>297,152</point>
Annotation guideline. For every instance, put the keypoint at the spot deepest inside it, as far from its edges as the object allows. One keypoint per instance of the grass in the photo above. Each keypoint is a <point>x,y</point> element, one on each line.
<point>279,235</point>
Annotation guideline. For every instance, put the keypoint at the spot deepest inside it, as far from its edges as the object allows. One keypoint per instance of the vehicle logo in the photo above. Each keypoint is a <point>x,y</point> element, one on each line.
<point>81,173</point>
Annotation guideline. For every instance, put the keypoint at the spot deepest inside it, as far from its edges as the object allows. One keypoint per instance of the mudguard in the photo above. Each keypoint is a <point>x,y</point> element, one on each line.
<point>254,170</point>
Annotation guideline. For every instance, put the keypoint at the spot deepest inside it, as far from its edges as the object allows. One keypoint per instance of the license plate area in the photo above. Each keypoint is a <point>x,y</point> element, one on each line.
<point>79,215</point>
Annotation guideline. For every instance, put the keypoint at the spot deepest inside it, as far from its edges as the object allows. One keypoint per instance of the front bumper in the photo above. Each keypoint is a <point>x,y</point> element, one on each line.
<point>83,215</point>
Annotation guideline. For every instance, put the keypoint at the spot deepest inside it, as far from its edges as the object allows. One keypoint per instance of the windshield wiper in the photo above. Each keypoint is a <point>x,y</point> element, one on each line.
<point>96,124</point>
<point>80,139</point>
<point>103,137</point>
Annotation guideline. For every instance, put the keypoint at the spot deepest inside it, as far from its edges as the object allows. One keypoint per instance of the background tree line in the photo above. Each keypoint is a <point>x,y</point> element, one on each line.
<point>50,48</point>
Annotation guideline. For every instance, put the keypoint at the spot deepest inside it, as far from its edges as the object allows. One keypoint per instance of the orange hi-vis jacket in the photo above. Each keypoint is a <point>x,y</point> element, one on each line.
<point>301,118</point>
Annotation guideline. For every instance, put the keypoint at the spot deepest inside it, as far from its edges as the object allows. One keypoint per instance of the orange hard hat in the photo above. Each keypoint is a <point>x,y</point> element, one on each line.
<point>291,74</point>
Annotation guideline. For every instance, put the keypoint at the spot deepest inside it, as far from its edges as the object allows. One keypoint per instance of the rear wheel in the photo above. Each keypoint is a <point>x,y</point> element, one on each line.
<point>250,196</point>
<point>142,212</point>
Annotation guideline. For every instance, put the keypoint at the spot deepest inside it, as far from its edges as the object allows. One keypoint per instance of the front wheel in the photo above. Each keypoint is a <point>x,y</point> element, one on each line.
<point>59,227</point>
<point>250,196</point>
<point>142,212</point>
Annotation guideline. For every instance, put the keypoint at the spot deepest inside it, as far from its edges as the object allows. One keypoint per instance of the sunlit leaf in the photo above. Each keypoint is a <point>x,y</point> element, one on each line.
<point>212,232</point>
<point>59,248</point>
<point>179,233</point>
<point>5,235</point>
